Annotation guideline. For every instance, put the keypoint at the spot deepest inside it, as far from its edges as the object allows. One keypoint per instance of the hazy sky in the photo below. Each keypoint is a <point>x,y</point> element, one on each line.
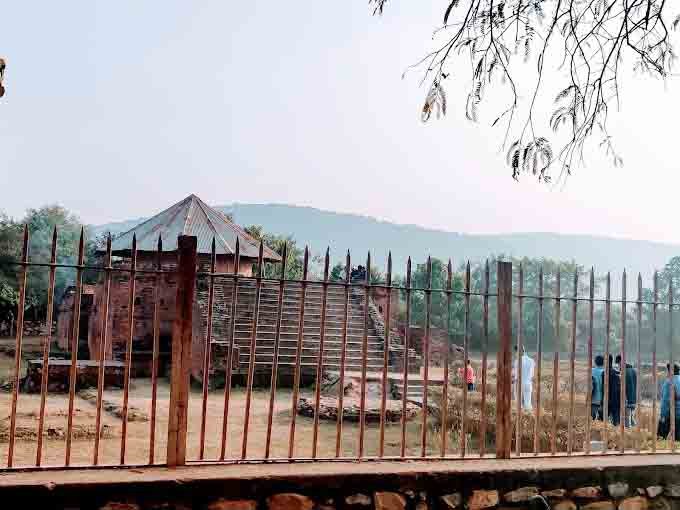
<point>118,109</point>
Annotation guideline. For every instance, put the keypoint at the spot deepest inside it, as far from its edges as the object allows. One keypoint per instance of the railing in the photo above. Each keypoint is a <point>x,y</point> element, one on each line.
<point>289,411</point>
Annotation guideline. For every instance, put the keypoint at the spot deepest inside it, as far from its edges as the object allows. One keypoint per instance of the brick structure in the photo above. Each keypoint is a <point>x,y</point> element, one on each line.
<point>190,217</point>
<point>194,218</point>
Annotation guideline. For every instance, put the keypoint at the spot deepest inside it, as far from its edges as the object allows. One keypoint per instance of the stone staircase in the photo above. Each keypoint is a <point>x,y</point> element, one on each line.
<point>266,328</point>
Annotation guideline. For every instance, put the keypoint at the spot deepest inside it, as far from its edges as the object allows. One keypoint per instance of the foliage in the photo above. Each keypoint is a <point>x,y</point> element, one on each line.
<point>294,257</point>
<point>586,43</point>
<point>41,223</point>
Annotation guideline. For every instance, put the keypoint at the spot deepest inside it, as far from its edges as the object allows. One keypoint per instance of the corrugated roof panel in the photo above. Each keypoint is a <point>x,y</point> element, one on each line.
<point>192,217</point>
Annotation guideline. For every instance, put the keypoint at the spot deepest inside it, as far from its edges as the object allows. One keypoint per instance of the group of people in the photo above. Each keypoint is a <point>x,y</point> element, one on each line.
<point>615,374</point>
<point>670,390</point>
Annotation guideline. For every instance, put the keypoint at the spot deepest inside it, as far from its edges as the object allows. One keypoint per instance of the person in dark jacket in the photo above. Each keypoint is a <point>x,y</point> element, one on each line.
<point>631,392</point>
<point>614,393</point>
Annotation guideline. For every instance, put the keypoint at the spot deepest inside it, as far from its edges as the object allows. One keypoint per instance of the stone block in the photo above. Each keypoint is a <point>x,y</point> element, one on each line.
<point>554,493</point>
<point>113,505</point>
<point>654,491</point>
<point>289,501</point>
<point>592,492</point>
<point>233,504</point>
<point>481,499</point>
<point>599,505</point>
<point>521,495</point>
<point>358,500</point>
<point>451,501</point>
<point>566,504</point>
<point>389,501</point>
<point>618,490</point>
<point>660,503</point>
<point>635,503</point>
<point>672,491</point>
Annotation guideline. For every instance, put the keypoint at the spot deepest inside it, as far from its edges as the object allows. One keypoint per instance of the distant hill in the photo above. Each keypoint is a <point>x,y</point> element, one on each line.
<point>359,234</point>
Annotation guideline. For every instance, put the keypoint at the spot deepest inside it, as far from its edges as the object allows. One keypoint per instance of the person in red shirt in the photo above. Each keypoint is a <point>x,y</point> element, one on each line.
<point>470,376</point>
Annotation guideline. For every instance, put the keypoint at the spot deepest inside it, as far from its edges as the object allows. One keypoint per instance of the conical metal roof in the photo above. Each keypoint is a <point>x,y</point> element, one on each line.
<point>192,217</point>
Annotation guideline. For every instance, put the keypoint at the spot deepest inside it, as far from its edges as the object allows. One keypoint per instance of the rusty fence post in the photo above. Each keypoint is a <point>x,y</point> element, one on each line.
<point>181,350</point>
<point>504,362</point>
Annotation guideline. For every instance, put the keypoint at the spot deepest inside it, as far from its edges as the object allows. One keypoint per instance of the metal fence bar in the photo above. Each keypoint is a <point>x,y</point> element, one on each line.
<point>638,401</point>
<point>589,394</point>
<point>622,399</point>
<point>277,346</point>
<point>364,359</point>
<point>343,356</point>
<point>572,367</point>
<point>128,349</point>
<point>207,347</point>
<point>386,359</point>
<point>21,306</point>
<point>230,352</point>
<point>101,375</point>
<point>671,371</point>
<point>46,348</point>
<point>504,362</point>
<point>654,362</point>
<point>407,334</point>
<point>518,374</point>
<point>253,351</point>
<point>607,362</point>
<point>155,349</point>
<point>447,361</point>
<point>182,330</point>
<point>319,361</point>
<point>485,334</point>
<point>539,357</point>
<point>556,365</point>
<point>298,354</point>
<point>74,347</point>
<point>426,359</point>
<point>466,359</point>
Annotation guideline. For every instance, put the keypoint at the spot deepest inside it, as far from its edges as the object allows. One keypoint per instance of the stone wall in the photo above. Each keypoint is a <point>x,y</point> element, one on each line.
<point>362,486</point>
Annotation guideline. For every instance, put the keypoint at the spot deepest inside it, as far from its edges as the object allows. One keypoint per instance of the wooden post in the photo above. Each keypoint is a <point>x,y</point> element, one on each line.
<point>504,362</point>
<point>181,350</point>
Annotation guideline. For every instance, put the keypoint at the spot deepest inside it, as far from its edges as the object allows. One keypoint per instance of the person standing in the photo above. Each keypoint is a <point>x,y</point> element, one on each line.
<point>665,412</point>
<point>614,393</point>
<point>597,394</point>
<point>631,391</point>
<point>527,367</point>
<point>470,376</point>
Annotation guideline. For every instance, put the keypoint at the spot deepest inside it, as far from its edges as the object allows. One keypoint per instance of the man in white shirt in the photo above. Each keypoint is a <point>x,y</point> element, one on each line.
<point>527,378</point>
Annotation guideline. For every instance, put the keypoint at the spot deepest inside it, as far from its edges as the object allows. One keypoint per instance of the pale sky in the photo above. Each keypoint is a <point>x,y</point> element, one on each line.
<point>118,109</point>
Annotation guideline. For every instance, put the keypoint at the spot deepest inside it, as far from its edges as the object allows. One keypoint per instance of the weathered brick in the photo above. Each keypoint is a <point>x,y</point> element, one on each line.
<point>599,505</point>
<point>452,501</point>
<point>521,495</point>
<point>591,492</point>
<point>635,503</point>
<point>482,499</point>
<point>566,504</point>
<point>289,501</point>
<point>389,501</point>
<point>233,504</point>
<point>554,493</point>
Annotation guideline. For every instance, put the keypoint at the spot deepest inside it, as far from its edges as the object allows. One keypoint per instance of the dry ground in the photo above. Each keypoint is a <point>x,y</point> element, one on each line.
<point>139,431</point>
<point>137,447</point>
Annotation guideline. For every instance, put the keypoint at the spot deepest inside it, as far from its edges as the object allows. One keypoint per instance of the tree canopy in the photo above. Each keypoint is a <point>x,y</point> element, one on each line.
<point>532,51</point>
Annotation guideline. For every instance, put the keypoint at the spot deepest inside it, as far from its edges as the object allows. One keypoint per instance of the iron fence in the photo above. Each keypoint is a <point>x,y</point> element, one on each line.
<point>264,339</point>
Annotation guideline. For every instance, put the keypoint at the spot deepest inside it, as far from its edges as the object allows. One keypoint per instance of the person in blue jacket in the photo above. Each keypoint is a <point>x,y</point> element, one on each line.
<point>665,412</point>
<point>597,395</point>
